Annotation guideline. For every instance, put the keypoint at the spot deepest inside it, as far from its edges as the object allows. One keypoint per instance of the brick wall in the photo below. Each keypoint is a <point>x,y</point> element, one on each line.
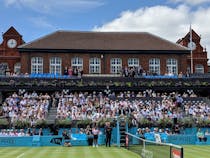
<point>105,60</point>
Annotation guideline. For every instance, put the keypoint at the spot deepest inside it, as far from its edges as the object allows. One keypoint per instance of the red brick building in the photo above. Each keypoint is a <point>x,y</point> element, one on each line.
<point>9,54</point>
<point>199,54</point>
<point>102,53</point>
<point>99,53</point>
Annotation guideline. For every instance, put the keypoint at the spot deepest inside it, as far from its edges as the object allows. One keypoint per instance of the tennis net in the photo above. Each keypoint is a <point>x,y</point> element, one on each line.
<point>152,149</point>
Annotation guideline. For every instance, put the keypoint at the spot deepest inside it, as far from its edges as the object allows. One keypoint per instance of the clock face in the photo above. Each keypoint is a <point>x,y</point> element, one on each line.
<point>11,43</point>
<point>191,45</point>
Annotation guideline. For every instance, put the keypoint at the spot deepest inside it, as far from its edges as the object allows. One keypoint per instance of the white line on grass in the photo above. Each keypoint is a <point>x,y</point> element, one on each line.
<point>93,150</point>
<point>19,156</point>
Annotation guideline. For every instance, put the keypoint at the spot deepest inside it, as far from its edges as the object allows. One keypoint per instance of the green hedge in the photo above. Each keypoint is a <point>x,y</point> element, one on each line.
<point>144,122</point>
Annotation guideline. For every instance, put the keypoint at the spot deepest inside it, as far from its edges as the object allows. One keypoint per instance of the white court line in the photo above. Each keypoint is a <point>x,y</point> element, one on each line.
<point>19,156</point>
<point>75,151</point>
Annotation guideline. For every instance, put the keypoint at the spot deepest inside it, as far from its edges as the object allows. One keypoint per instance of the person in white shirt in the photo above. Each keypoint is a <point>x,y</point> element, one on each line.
<point>21,133</point>
<point>95,132</point>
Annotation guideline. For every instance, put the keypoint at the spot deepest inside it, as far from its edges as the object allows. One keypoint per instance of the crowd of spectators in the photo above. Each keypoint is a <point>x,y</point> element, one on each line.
<point>20,132</point>
<point>73,71</point>
<point>139,71</point>
<point>26,106</point>
<point>95,106</point>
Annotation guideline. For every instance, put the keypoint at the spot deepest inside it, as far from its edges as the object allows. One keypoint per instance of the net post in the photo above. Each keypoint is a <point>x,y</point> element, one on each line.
<point>146,148</point>
<point>118,132</point>
<point>182,152</point>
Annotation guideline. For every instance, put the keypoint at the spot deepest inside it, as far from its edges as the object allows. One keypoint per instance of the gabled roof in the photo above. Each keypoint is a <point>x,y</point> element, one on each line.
<point>11,31</point>
<point>187,37</point>
<point>194,35</point>
<point>102,41</point>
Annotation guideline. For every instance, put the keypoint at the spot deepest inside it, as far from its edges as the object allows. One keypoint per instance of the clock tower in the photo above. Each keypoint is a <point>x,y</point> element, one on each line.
<point>197,60</point>
<point>9,55</point>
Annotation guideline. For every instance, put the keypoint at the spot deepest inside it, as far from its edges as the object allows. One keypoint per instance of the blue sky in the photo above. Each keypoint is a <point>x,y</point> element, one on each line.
<point>169,19</point>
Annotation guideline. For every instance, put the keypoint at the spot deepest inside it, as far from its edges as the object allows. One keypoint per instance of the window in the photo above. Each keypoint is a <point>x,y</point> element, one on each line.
<point>133,62</point>
<point>199,69</point>
<point>171,66</point>
<point>3,68</point>
<point>17,68</point>
<point>154,66</point>
<point>77,62</point>
<point>116,65</point>
<point>95,65</point>
<point>36,65</point>
<point>55,65</point>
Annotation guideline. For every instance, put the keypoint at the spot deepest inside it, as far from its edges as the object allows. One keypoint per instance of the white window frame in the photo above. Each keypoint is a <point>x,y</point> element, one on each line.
<point>36,65</point>
<point>133,62</point>
<point>3,68</point>
<point>77,62</point>
<point>17,68</point>
<point>55,65</point>
<point>95,65</point>
<point>115,65</point>
<point>154,65</point>
<point>172,66</point>
<point>199,68</point>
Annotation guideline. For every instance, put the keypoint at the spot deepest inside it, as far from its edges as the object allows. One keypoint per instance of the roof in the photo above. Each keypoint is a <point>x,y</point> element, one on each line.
<point>187,37</point>
<point>11,32</point>
<point>102,41</point>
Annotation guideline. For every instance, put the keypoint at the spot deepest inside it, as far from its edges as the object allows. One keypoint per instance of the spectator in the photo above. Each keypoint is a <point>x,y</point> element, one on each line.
<point>88,132</point>
<point>28,132</point>
<point>201,136</point>
<point>66,139</point>
<point>40,132</point>
<point>21,133</point>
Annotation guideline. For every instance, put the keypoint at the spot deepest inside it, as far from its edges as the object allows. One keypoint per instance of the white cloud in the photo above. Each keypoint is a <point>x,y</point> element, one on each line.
<point>190,2</point>
<point>161,20</point>
<point>9,2</point>
<point>164,21</point>
<point>54,6</point>
<point>41,22</point>
<point>201,20</point>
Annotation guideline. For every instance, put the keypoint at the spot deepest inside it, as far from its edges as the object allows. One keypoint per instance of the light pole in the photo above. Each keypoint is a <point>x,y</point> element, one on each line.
<point>192,47</point>
<point>191,56</point>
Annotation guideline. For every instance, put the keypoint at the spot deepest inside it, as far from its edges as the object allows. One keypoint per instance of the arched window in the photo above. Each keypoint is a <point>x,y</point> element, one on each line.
<point>199,69</point>
<point>116,65</point>
<point>55,65</point>
<point>133,62</point>
<point>77,63</point>
<point>17,68</point>
<point>171,66</point>
<point>95,65</point>
<point>154,66</point>
<point>36,65</point>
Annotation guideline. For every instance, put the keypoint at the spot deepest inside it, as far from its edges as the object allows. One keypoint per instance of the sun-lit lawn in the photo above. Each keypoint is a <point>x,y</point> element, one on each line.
<point>190,151</point>
<point>65,152</point>
<point>196,151</point>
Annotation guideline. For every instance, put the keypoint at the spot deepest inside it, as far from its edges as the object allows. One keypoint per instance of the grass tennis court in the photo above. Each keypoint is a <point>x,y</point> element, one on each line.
<point>65,152</point>
<point>196,151</point>
<point>190,151</point>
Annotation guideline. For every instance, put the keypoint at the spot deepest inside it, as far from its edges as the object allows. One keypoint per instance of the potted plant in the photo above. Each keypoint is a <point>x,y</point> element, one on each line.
<point>186,122</point>
<point>4,123</point>
<point>63,123</point>
<point>21,124</point>
<point>83,123</point>
<point>144,122</point>
<point>41,123</point>
<point>165,123</point>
